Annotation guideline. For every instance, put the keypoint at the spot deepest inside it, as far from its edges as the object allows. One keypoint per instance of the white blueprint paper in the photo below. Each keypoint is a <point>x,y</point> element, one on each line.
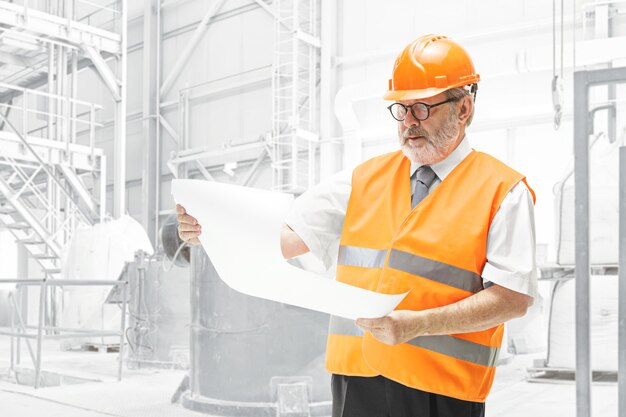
<point>241,229</point>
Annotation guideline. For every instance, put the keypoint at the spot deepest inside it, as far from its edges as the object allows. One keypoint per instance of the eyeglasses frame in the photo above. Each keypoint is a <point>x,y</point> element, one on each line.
<point>428,107</point>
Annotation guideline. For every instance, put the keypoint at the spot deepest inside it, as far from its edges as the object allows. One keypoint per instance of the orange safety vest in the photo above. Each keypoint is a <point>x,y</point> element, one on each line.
<point>437,251</point>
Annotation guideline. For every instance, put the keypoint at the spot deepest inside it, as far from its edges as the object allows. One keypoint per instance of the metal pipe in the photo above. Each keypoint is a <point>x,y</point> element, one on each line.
<point>12,319</point>
<point>582,271</point>
<point>119,206</point>
<point>92,333</point>
<point>67,329</point>
<point>157,98</point>
<point>74,93</point>
<point>59,92</point>
<point>42,308</point>
<point>150,127</point>
<point>51,95</point>
<point>50,88</point>
<point>21,323</point>
<point>621,370</point>
<point>123,329</point>
<point>60,282</point>
<point>103,188</point>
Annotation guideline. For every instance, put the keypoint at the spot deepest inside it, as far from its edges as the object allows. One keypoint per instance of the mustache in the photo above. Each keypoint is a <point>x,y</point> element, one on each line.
<point>414,131</point>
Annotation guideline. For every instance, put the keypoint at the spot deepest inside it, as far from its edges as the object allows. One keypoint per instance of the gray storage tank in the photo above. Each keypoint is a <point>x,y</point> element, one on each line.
<point>252,357</point>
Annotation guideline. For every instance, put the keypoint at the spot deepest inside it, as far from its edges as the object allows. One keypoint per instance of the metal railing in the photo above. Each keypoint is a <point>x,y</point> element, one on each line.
<point>90,12</point>
<point>21,330</point>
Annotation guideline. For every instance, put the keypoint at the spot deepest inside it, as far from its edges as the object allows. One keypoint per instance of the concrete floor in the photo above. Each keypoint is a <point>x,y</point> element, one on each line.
<point>148,392</point>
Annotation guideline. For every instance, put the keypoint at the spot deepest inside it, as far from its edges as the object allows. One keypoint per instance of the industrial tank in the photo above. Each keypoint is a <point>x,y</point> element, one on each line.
<point>253,357</point>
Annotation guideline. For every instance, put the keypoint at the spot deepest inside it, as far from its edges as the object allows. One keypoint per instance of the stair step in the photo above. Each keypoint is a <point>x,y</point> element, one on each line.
<point>7,210</point>
<point>52,270</point>
<point>30,241</point>
<point>18,226</point>
<point>44,256</point>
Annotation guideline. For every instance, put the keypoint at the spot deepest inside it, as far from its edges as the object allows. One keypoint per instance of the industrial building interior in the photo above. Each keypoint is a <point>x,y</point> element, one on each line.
<point>105,311</point>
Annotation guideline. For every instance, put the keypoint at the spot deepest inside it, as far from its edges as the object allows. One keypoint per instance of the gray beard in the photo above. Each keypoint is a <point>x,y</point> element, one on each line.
<point>439,142</point>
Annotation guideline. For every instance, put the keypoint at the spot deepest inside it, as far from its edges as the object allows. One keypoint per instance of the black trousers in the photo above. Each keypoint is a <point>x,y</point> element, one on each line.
<point>355,396</point>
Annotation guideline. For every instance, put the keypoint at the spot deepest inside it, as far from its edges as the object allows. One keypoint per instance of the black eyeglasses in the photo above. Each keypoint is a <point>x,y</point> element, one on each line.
<point>419,110</point>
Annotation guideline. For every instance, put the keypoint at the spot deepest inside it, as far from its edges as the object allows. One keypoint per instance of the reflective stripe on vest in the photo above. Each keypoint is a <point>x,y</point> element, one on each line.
<point>445,345</point>
<point>435,271</point>
<point>412,264</point>
<point>362,257</point>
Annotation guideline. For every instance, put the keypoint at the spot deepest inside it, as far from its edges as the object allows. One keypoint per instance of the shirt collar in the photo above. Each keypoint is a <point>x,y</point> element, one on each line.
<point>445,167</point>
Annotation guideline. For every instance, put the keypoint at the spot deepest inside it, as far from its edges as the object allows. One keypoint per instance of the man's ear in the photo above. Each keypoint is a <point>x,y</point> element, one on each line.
<point>466,104</point>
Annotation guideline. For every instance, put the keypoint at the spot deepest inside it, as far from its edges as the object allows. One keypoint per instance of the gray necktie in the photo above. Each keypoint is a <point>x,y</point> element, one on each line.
<point>425,177</point>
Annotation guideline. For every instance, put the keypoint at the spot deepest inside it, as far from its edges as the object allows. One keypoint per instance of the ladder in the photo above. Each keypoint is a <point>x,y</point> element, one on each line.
<point>295,77</point>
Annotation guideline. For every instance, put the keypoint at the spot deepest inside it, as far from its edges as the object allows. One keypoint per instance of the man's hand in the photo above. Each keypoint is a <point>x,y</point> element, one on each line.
<point>397,327</point>
<point>481,311</point>
<point>188,227</point>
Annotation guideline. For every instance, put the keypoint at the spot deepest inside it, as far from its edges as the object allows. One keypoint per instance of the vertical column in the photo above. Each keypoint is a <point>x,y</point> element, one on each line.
<point>119,187</point>
<point>621,370</point>
<point>328,88</point>
<point>581,178</point>
<point>150,94</point>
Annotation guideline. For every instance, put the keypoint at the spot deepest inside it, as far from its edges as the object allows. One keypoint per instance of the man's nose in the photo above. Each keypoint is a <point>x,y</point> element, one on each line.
<point>410,120</point>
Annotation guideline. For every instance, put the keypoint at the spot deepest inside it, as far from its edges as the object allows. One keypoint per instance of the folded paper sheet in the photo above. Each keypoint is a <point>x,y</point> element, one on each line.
<point>241,234</point>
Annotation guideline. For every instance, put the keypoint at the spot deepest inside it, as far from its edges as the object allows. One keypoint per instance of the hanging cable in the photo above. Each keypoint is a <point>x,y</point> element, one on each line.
<point>171,265</point>
<point>557,80</point>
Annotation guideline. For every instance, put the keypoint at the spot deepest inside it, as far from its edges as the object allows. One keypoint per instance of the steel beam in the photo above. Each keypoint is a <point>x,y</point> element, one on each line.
<point>254,168</point>
<point>119,173</point>
<point>329,152</point>
<point>169,129</point>
<point>150,124</point>
<point>583,271</point>
<point>189,48</point>
<point>103,70</point>
<point>207,175</point>
<point>621,370</point>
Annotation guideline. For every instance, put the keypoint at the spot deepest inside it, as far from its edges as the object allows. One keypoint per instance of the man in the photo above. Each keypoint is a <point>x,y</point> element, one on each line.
<point>453,226</point>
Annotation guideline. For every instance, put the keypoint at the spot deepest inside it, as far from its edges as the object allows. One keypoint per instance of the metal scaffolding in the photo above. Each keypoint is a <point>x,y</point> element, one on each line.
<point>52,176</point>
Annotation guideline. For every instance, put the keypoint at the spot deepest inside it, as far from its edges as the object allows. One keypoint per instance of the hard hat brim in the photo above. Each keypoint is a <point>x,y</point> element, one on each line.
<point>398,95</point>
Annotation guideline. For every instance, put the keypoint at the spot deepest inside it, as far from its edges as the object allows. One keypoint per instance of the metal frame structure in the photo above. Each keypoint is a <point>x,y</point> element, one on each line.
<point>293,144</point>
<point>621,389</point>
<point>296,123</point>
<point>583,80</point>
<point>51,182</point>
<point>37,172</point>
<point>21,329</point>
<point>52,176</point>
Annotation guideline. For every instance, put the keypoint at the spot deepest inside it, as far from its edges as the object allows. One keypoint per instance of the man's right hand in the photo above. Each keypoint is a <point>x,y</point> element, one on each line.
<point>188,227</point>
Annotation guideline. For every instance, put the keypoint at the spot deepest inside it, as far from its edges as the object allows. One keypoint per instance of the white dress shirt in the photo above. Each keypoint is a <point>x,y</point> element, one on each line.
<point>317,217</point>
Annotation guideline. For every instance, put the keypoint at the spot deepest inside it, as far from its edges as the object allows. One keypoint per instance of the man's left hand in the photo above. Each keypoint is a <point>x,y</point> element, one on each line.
<point>397,327</point>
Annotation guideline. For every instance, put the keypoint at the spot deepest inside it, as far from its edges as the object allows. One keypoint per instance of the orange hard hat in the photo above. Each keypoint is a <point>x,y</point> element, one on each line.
<point>430,65</point>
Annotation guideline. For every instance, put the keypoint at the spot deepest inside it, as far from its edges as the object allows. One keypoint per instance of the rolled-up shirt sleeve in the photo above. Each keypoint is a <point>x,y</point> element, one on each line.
<point>511,244</point>
<point>317,216</point>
